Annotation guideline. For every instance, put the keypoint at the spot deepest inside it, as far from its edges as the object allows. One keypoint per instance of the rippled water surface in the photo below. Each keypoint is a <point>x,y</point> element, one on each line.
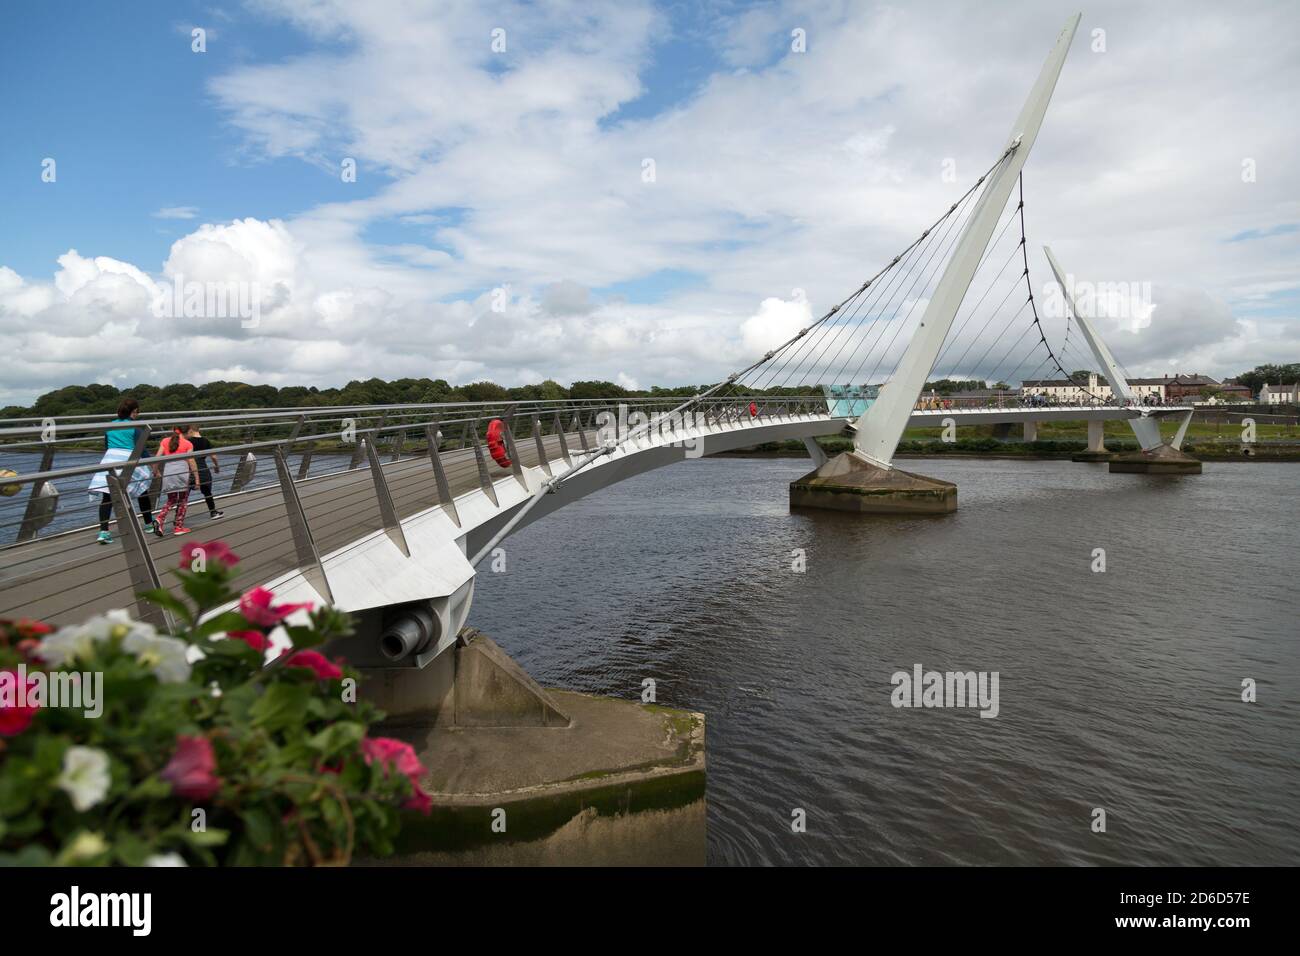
<point>1119,690</point>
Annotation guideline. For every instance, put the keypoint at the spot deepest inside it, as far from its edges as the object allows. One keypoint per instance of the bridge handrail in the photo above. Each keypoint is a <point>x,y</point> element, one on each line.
<point>379,427</point>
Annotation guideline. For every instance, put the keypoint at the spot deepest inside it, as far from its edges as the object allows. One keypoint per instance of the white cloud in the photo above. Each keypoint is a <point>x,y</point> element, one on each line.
<point>795,171</point>
<point>177,212</point>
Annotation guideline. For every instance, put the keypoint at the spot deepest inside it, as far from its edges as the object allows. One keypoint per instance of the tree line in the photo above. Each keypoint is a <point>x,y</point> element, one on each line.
<point>103,399</point>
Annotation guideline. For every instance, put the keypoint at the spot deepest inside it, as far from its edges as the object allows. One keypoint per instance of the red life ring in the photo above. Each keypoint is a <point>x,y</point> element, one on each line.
<point>753,409</point>
<point>497,442</point>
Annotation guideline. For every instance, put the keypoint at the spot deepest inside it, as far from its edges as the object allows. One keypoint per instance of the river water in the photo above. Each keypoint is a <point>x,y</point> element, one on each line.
<point>1118,690</point>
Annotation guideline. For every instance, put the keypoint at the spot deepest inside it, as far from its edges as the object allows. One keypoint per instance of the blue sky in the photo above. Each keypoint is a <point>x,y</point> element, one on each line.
<point>120,102</point>
<point>783,178</point>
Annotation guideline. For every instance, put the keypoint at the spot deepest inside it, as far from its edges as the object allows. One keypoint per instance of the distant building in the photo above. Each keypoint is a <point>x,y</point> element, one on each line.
<point>1065,391</point>
<point>1188,388</point>
<point>1280,394</point>
<point>1233,391</point>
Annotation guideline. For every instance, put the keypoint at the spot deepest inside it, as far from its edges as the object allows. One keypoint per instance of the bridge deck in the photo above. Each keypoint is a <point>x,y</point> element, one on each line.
<point>69,576</point>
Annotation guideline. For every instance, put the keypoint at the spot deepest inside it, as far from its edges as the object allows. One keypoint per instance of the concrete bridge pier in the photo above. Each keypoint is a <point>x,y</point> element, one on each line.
<point>524,775</point>
<point>1164,459</point>
<point>847,482</point>
<point>1096,450</point>
<point>1031,431</point>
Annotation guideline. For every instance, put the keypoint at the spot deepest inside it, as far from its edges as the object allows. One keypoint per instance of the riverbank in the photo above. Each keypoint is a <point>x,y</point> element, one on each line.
<point>992,448</point>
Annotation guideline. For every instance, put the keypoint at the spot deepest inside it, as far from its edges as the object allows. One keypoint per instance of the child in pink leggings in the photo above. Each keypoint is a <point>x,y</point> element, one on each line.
<point>176,482</point>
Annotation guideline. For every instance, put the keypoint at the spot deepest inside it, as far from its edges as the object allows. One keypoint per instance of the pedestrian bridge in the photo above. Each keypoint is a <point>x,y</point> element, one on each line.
<point>386,511</point>
<point>372,507</point>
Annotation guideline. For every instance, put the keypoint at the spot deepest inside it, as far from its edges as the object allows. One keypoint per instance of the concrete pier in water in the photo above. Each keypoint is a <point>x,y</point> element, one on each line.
<point>847,483</point>
<point>521,774</point>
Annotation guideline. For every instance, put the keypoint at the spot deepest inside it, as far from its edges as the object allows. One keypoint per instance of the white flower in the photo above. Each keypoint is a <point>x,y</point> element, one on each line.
<point>85,845</point>
<point>69,643</point>
<point>165,859</point>
<point>85,776</point>
<point>167,657</point>
<point>65,645</point>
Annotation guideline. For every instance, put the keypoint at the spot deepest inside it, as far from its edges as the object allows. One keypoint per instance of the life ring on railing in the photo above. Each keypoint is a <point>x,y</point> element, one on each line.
<point>753,409</point>
<point>496,439</point>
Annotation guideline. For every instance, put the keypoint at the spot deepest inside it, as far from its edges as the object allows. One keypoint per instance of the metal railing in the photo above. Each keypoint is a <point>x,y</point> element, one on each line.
<point>286,433</point>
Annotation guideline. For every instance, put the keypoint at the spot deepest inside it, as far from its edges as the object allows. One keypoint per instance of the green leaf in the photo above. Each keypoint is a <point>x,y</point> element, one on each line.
<point>27,856</point>
<point>165,599</point>
<point>209,837</point>
<point>259,827</point>
<point>338,737</point>
<point>281,706</point>
<point>227,621</point>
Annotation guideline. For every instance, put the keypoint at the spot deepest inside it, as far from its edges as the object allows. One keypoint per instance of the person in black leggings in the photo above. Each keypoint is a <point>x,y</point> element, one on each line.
<point>200,443</point>
<point>120,441</point>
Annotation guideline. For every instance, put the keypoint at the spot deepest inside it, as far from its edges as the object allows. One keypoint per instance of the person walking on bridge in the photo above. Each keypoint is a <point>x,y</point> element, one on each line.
<point>204,475</point>
<point>176,476</point>
<point>119,445</point>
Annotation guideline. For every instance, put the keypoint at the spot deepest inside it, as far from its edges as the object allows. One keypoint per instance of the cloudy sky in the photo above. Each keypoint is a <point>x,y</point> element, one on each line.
<point>502,224</point>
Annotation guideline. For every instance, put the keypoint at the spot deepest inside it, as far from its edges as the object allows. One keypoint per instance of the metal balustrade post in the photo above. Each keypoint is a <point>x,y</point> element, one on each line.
<point>387,513</point>
<point>139,562</point>
<point>358,452</point>
<point>512,452</point>
<point>305,465</point>
<point>484,479</point>
<point>28,529</point>
<point>434,435</point>
<point>541,445</point>
<point>399,440</point>
<point>582,432</point>
<point>304,544</point>
<point>564,444</point>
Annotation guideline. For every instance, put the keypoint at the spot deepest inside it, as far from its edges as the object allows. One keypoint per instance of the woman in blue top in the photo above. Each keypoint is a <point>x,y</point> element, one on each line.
<point>119,445</point>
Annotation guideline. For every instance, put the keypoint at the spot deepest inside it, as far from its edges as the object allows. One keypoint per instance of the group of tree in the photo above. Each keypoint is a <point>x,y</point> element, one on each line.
<point>104,399</point>
<point>1262,375</point>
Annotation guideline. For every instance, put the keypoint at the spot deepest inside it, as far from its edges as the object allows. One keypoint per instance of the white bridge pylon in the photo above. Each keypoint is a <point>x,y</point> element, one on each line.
<point>1145,429</point>
<point>881,426</point>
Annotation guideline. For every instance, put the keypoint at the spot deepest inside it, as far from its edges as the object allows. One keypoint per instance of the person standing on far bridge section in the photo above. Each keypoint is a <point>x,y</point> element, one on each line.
<point>204,476</point>
<point>176,476</point>
<point>119,443</point>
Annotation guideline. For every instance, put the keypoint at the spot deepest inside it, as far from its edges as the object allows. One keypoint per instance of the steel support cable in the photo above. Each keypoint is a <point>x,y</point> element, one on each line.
<point>885,323</point>
<point>767,374</point>
<point>884,294</point>
<point>1033,348</point>
<point>938,363</point>
<point>875,298</point>
<point>998,337</point>
<point>896,282</point>
<point>553,483</point>
<point>797,357</point>
<point>898,328</point>
<point>987,322</point>
<point>951,209</point>
<point>897,268</point>
<point>1030,286</point>
<point>1007,355</point>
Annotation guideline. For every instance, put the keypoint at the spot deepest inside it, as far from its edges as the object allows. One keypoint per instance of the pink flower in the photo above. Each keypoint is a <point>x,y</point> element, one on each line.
<point>315,662</point>
<point>254,639</point>
<point>14,719</point>
<point>191,769</point>
<point>212,551</point>
<point>257,609</point>
<point>396,753</point>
